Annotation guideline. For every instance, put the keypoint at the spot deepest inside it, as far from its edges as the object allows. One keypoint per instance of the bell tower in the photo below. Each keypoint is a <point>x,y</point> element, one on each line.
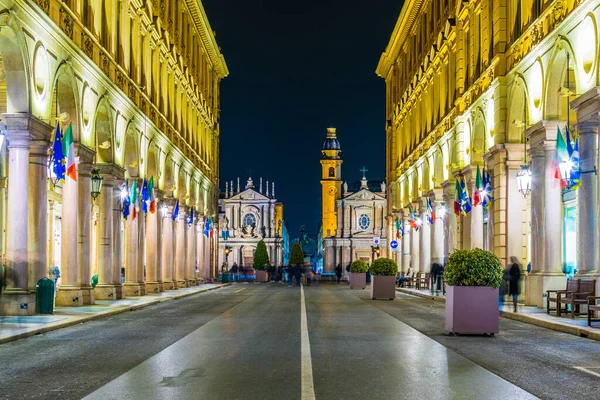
<point>331,181</point>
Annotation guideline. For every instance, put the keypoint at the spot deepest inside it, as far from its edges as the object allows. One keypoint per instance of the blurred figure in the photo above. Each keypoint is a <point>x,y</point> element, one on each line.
<point>437,273</point>
<point>234,272</point>
<point>503,289</point>
<point>338,272</point>
<point>515,277</point>
<point>406,278</point>
<point>298,274</point>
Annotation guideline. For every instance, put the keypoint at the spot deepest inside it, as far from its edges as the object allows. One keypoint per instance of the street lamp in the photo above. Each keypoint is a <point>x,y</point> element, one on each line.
<point>96,183</point>
<point>227,251</point>
<point>524,180</point>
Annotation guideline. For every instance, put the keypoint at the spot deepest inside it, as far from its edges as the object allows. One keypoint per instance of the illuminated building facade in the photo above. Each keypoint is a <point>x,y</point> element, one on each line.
<point>139,83</point>
<point>483,84</point>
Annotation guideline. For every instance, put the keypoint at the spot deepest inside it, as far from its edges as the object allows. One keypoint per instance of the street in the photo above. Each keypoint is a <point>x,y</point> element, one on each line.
<point>248,341</point>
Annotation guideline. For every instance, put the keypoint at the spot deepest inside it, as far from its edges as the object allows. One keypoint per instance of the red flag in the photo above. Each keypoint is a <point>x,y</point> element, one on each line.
<point>457,195</point>
<point>153,206</point>
<point>134,213</point>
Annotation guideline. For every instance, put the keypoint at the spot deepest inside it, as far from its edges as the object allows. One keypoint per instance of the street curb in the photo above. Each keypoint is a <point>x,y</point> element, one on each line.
<point>107,313</point>
<point>584,332</point>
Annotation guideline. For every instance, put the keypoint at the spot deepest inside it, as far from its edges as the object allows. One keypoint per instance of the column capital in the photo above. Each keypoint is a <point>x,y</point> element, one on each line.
<point>587,106</point>
<point>110,170</point>
<point>542,133</point>
<point>24,126</point>
<point>436,194</point>
<point>588,127</point>
<point>85,154</point>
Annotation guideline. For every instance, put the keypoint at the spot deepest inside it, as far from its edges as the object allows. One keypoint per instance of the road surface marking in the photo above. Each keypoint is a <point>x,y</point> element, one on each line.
<point>239,290</point>
<point>589,370</point>
<point>308,388</point>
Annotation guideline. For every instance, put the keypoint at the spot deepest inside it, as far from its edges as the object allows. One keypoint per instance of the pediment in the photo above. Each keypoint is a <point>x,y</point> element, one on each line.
<point>249,194</point>
<point>364,194</point>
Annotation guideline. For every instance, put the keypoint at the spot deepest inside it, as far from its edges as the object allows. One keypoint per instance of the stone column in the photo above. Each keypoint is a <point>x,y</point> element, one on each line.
<point>117,252</point>
<point>200,250</point>
<point>131,286</point>
<point>546,215</point>
<point>167,246</point>
<point>415,246</point>
<point>450,221</point>
<point>38,212</point>
<point>69,292</point>
<point>272,220</point>
<point>181,256</point>
<point>16,298</point>
<point>105,290</point>
<point>152,253</point>
<point>191,254</point>
<point>141,258</point>
<point>425,238</point>
<point>437,229</point>
<point>84,222</point>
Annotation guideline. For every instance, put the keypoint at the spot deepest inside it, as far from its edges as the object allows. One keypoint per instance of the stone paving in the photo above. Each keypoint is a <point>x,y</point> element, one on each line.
<point>532,315</point>
<point>17,327</point>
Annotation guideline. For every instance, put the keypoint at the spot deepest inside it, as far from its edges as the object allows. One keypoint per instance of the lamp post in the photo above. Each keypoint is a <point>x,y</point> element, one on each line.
<point>96,181</point>
<point>524,175</point>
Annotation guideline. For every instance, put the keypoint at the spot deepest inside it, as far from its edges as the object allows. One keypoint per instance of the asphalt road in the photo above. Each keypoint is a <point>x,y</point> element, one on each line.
<point>245,342</point>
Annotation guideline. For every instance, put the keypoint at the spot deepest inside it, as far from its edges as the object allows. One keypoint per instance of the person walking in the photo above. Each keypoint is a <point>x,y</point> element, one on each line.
<point>290,275</point>
<point>284,274</point>
<point>338,272</point>
<point>242,272</point>
<point>348,271</point>
<point>234,272</point>
<point>308,274</point>
<point>298,274</point>
<point>515,277</point>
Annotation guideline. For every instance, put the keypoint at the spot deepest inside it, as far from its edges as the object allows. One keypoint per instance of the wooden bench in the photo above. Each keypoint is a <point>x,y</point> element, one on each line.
<point>587,288</point>
<point>424,281</point>
<point>593,307</point>
<point>552,295</point>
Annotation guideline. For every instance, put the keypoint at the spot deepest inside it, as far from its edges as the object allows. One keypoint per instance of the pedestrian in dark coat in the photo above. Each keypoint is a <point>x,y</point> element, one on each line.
<point>338,272</point>
<point>298,274</point>
<point>515,277</point>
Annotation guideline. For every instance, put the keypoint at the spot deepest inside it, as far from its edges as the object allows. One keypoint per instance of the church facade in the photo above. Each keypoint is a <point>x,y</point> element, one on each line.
<point>247,217</point>
<point>354,216</point>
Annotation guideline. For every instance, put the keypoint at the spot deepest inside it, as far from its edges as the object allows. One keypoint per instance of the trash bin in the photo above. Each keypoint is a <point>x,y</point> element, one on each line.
<point>225,277</point>
<point>44,296</point>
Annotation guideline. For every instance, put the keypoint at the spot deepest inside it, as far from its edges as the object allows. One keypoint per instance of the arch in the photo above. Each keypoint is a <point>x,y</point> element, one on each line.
<point>425,177</point>
<point>556,100</point>
<point>478,145</point>
<point>131,150</point>
<point>438,168</point>
<point>103,133</point>
<point>518,112</point>
<point>181,185</point>
<point>169,186</point>
<point>153,161</point>
<point>331,172</point>
<point>415,186</point>
<point>15,83</point>
<point>65,104</point>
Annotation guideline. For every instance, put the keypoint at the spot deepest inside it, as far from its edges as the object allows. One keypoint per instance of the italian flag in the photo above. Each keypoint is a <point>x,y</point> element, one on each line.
<point>457,198</point>
<point>478,187</point>
<point>69,153</point>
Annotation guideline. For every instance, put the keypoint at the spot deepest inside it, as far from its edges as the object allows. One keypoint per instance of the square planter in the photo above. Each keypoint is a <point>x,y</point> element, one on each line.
<point>383,287</point>
<point>261,276</point>
<point>358,281</point>
<point>472,310</point>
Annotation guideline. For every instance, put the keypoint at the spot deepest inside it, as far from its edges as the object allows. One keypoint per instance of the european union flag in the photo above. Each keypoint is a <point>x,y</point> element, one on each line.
<point>59,161</point>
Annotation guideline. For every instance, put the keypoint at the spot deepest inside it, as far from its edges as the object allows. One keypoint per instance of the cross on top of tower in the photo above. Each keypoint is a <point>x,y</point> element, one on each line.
<point>364,171</point>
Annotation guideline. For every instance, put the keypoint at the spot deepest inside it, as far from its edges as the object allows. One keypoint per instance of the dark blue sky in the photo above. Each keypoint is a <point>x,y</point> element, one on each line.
<point>297,67</point>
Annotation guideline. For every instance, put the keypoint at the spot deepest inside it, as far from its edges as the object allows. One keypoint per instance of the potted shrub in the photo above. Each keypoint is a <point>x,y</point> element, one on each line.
<point>358,274</point>
<point>472,280</point>
<point>261,259</point>
<point>383,278</point>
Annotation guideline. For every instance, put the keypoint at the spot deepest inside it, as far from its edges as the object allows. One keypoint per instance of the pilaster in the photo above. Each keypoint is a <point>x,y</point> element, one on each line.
<point>425,237</point>
<point>84,222</point>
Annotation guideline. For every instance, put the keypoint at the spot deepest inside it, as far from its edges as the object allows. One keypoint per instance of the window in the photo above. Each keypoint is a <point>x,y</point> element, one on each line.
<point>331,172</point>
<point>364,221</point>
<point>250,220</point>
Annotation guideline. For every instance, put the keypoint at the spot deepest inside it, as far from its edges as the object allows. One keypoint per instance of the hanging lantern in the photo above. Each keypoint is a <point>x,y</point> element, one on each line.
<point>96,183</point>
<point>524,180</point>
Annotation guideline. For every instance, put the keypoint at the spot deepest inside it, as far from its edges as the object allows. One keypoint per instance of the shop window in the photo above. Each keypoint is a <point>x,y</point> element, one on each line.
<point>570,239</point>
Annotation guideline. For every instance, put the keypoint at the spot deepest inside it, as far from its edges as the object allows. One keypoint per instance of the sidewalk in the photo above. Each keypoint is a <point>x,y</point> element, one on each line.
<point>529,315</point>
<point>13,328</point>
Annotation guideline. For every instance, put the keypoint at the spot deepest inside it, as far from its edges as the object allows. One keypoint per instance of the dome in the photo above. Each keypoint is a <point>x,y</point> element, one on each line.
<point>331,144</point>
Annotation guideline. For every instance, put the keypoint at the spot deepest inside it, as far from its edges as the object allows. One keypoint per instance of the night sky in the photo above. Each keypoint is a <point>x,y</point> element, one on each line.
<point>297,67</point>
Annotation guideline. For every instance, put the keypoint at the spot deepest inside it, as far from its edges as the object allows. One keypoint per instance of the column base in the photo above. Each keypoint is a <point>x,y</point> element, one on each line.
<point>191,282</point>
<point>169,285</point>
<point>119,292</point>
<point>105,292</point>
<point>537,283</point>
<point>161,287</point>
<point>143,290</point>
<point>181,283</point>
<point>69,296</point>
<point>88,295</point>
<point>19,303</point>
<point>152,287</point>
<point>131,289</point>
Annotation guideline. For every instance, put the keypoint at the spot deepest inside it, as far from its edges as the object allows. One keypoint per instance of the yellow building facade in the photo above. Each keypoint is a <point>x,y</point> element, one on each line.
<point>482,84</point>
<point>139,82</point>
<point>331,182</point>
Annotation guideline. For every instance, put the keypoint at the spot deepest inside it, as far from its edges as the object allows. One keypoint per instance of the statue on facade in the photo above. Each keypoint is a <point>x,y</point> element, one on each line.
<point>345,187</point>
<point>383,187</point>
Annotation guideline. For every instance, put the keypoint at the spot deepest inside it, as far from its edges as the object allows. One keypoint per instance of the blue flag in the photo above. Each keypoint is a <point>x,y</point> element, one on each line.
<point>126,202</point>
<point>145,196</point>
<point>190,219</point>
<point>58,161</point>
<point>207,227</point>
<point>175,211</point>
<point>465,199</point>
<point>486,193</point>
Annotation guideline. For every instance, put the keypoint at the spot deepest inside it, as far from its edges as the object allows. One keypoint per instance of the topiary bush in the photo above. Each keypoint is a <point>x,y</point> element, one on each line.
<point>359,267</point>
<point>261,257</point>
<point>475,267</point>
<point>384,266</point>
<point>297,255</point>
